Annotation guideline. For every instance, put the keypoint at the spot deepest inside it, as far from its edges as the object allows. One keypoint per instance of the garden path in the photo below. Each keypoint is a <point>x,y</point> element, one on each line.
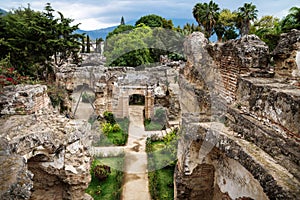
<point>135,182</point>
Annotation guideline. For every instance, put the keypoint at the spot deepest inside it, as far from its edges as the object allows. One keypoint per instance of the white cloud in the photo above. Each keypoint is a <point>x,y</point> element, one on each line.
<point>94,14</point>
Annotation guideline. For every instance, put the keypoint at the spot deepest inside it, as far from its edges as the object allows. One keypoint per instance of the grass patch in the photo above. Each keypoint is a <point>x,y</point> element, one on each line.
<point>152,125</point>
<point>158,122</point>
<point>111,188</point>
<point>114,136</point>
<point>161,166</point>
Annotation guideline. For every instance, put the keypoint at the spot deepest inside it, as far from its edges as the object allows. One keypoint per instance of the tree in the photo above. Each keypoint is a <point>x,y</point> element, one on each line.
<point>88,44</point>
<point>119,30</point>
<point>225,26</point>
<point>268,29</point>
<point>122,21</point>
<point>246,14</point>
<point>32,39</point>
<point>83,45</point>
<point>206,14</point>
<point>129,48</point>
<point>155,21</point>
<point>292,20</point>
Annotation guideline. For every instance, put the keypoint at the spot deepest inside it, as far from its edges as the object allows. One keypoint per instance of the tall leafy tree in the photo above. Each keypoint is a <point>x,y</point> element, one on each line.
<point>88,44</point>
<point>268,29</point>
<point>129,49</point>
<point>155,21</point>
<point>225,26</point>
<point>246,14</point>
<point>292,20</point>
<point>122,21</point>
<point>151,21</point>
<point>206,14</point>
<point>119,30</point>
<point>32,39</point>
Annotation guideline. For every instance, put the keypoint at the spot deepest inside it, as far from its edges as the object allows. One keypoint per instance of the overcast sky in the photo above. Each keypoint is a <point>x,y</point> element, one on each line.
<point>96,14</point>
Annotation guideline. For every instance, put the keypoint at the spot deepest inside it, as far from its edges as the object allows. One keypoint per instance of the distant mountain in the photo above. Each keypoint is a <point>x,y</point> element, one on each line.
<point>94,34</point>
<point>99,33</point>
<point>2,11</point>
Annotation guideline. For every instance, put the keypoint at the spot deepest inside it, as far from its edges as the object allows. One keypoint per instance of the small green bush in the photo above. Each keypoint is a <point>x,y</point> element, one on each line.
<point>109,117</point>
<point>87,98</point>
<point>106,128</point>
<point>116,128</point>
<point>101,172</point>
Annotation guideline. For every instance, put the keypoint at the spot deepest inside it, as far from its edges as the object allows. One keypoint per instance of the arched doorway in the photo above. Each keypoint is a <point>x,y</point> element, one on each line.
<point>45,184</point>
<point>137,99</point>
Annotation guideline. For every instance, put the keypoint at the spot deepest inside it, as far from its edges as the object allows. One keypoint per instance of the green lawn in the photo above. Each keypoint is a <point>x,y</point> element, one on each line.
<point>152,125</point>
<point>118,138</point>
<point>161,165</point>
<point>111,188</point>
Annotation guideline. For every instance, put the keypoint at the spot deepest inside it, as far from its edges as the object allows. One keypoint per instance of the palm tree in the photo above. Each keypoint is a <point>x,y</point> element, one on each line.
<point>206,15</point>
<point>246,14</point>
<point>292,20</point>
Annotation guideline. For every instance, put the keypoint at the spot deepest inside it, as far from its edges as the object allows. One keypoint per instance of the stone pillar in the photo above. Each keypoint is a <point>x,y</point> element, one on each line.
<point>149,104</point>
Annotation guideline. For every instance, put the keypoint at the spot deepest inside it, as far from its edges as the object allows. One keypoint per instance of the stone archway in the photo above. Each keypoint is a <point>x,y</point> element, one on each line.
<point>83,102</point>
<point>122,100</point>
<point>137,99</point>
<point>45,184</point>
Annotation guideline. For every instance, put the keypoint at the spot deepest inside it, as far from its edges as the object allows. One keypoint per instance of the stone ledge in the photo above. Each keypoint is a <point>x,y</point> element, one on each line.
<point>277,181</point>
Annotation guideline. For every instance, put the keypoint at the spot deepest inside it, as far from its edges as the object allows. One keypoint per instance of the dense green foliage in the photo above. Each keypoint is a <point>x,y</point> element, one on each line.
<point>206,14</point>
<point>225,26</point>
<point>161,165</point>
<point>31,39</point>
<point>88,98</point>
<point>114,131</point>
<point>144,43</point>
<point>226,23</point>
<point>111,187</point>
<point>155,21</point>
<point>109,117</point>
<point>269,28</point>
<point>292,20</point>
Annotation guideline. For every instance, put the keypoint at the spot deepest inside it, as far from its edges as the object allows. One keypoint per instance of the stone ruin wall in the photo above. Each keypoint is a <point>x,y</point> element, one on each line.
<point>26,99</point>
<point>255,113</point>
<point>43,155</point>
<point>285,55</point>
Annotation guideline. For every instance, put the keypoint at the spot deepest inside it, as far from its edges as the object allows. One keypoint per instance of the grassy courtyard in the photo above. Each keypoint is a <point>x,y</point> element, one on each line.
<point>111,187</point>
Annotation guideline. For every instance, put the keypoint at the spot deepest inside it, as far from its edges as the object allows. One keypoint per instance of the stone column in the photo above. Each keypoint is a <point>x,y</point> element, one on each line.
<point>149,104</point>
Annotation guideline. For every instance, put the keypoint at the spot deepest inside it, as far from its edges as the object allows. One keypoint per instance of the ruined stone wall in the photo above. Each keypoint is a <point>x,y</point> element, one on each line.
<point>236,117</point>
<point>286,53</point>
<point>275,102</point>
<point>24,99</point>
<point>248,56</point>
<point>235,167</point>
<point>43,155</point>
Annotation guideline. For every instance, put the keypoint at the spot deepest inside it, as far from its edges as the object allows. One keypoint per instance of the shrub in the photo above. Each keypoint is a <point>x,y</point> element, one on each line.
<point>106,128</point>
<point>101,172</point>
<point>109,117</point>
<point>116,128</point>
<point>88,98</point>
